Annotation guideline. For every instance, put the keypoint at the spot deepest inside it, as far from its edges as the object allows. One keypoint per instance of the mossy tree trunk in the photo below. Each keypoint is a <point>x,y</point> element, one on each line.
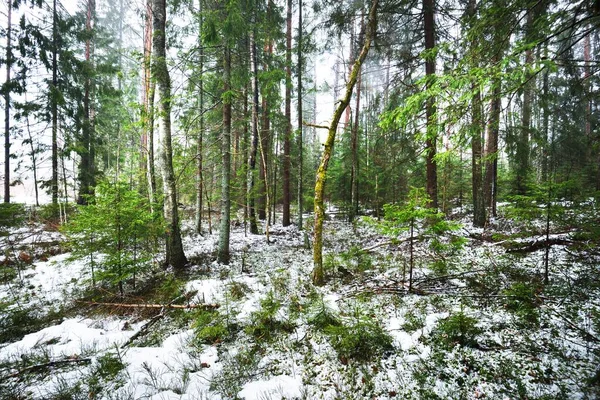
<point>318,274</point>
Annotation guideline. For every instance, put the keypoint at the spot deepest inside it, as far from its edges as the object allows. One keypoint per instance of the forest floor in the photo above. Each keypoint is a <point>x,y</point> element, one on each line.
<point>478,322</point>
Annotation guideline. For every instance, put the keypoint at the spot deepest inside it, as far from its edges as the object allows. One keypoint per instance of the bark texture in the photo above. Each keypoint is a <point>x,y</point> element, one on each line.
<point>174,247</point>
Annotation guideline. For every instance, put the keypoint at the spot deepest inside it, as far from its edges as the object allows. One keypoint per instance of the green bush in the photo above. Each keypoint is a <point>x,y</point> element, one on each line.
<point>322,317</point>
<point>264,323</point>
<point>11,215</point>
<point>210,327</point>
<point>458,329</point>
<point>522,299</point>
<point>361,341</point>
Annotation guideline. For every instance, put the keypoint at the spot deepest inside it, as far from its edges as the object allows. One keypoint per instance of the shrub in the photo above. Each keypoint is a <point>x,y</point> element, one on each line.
<point>210,327</point>
<point>264,323</point>
<point>458,329</point>
<point>361,340</point>
<point>323,317</point>
<point>522,299</point>
<point>11,215</point>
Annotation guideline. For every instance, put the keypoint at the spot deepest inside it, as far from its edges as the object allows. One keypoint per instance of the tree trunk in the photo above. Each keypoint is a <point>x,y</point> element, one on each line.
<point>174,247</point>
<point>251,194</point>
<point>318,274</point>
<point>477,129</point>
<point>300,140</point>
<point>151,170</point>
<point>146,117</point>
<point>264,137</point>
<point>354,146</point>
<point>223,250</point>
<point>287,139</point>
<point>54,105</point>
<point>86,164</point>
<point>522,150</point>
<point>7,104</point>
<point>430,111</point>
<point>490,186</point>
<point>199,160</point>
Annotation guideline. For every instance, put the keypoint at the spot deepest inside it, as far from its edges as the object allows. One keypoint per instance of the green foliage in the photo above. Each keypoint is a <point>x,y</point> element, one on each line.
<point>210,327</point>
<point>458,329</point>
<point>265,323</point>
<point>522,298</point>
<point>322,317</point>
<point>415,213</point>
<point>118,225</point>
<point>105,374</point>
<point>362,340</point>
<point>12,215</point>
<point>16,322</point>
<point>357,260</point>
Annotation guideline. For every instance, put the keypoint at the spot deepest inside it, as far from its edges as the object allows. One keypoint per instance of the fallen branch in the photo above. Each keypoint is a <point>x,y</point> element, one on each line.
<point>144,329</point>
<point>161,306</point>
<point>529,247</point>
<point>308,124</point>
<point>393,242</point>
<point>50,364</point>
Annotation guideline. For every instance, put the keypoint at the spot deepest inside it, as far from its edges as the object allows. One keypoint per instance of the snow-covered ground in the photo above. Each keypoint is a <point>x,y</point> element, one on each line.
<point>465,332</point>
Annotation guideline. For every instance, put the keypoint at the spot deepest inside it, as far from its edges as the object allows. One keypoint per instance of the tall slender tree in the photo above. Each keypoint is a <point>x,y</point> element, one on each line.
<point>318,273</point>
<point>287,139</point>
<point>160,72</point>
<point>223,249</point>
<point>7,102</point>
<point>430,109</point>
<point>300,140</point>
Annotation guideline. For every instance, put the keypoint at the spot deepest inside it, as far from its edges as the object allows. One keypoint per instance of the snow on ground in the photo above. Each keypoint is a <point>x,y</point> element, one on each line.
<point>301,361</point>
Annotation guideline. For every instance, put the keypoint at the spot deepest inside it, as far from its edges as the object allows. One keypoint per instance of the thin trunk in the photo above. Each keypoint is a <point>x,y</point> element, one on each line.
<point>477,162</point>
<point>287,139</point>
<point>354,145</point>
<point>491,151</point>
<point>33,159</point>
<point>223,250</point>
<point>300,141</point>
<point>251,192</point>
<point>146,99</point>
<point>477,129</point>
<point>54,104</point>
<point>522,151</point>
<point>265,140</point>
<point>318,273</point>
<point>86,164</point>
<point>7,105</point>
<point>545,121</point>
<point>151,169</point>
<point>199,150</point>
<point>430,111</point>
<point>174,247</point>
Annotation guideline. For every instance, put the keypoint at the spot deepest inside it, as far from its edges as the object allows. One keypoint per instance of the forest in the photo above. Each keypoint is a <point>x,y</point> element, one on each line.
<point>262,199</point>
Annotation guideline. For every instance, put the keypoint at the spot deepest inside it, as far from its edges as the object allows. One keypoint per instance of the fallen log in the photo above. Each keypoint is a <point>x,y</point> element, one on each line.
<point>528,247</point>
<point>144,305</point>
